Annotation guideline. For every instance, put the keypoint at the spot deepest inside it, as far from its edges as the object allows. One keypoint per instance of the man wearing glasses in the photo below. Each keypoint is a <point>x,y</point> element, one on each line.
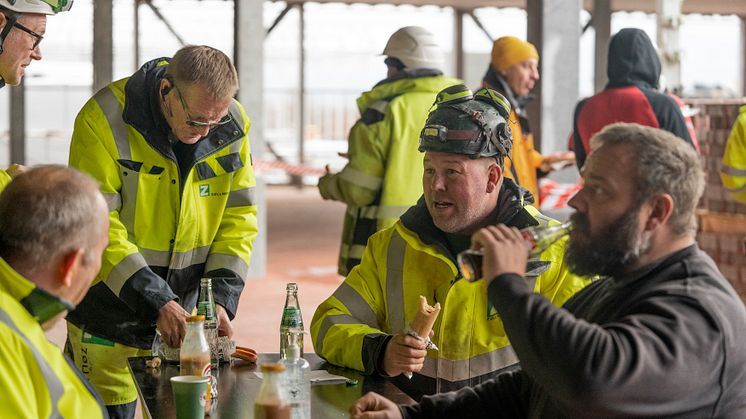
<point>169,146</point>
<point>22,27</point>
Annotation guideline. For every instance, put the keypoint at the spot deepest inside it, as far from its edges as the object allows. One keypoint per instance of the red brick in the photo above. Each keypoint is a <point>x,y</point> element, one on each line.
<point>730,243</point>
<point>731,273</point>
<point>708,242</point>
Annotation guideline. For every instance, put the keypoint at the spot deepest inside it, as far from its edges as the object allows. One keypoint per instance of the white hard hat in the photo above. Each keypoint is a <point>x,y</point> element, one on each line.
<point>415,47</point>
<point>45,7</point>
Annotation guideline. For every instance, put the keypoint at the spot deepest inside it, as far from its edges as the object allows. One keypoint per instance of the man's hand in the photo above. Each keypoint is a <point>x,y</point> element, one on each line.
<point>172,323</point>
<point>556,161</point>
<point>374,406</point>
<point>225,328</point>
<point>403,353</point>
<point>504,250</point>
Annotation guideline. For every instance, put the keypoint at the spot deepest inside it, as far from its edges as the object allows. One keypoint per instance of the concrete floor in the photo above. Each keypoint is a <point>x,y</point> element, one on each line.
<point>303,241</point>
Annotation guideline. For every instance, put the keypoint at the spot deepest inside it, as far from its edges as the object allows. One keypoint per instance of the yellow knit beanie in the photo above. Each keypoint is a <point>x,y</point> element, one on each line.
<point>509,50</point>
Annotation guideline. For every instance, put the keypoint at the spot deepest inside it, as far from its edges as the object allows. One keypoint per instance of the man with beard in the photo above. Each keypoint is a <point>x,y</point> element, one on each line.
<point>363,324</point>
<point>660,336</point>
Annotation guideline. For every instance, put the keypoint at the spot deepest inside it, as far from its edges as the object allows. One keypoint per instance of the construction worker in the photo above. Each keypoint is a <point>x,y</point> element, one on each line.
<point>19,47</point>
<point>53,230</point>
<point>513,72</point>
<point>733,172</point>
<point>380,180</point>
<point>361,326</point>
<point>631,95</point>
<point>169,146</point>
<point>659,336</point>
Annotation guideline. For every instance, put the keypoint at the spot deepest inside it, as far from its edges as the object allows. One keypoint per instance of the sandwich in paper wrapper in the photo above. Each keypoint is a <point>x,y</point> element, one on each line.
<point>423,322</point>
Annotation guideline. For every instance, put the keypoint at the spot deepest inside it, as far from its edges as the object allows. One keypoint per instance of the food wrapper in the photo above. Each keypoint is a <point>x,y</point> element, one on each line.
<point>422,324</point>
<point>226,347</point>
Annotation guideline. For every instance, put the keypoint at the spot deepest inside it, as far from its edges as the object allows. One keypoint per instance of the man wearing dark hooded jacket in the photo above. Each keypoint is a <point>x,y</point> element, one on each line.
<point>631,95</point>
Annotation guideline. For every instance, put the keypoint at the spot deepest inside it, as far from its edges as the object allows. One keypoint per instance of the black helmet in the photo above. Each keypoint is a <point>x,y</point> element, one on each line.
<point>475,124</point>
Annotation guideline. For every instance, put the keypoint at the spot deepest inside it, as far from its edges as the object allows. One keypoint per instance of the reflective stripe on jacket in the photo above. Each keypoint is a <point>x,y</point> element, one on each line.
<point>380,297</point>
<point>36,379</point>
<point>733,173</point>
<point>384,175</point>
<point>166,232</point>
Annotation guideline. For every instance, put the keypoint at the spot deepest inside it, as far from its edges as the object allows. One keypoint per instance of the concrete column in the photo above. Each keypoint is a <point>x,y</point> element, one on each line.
<point>458,42</point>
<point>249,59</point>
<point>17,123</point>
<point>602,27</point>
<point>136,36</point>
<point>554,28</point>
<point>103,44</point>
<point>669,20</point>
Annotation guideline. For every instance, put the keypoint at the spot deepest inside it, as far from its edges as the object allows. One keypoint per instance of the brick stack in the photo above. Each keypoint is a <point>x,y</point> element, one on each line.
<point>722,221</point>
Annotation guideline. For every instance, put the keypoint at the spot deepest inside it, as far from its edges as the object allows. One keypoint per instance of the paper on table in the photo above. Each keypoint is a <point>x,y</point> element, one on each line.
<point>321,377</point>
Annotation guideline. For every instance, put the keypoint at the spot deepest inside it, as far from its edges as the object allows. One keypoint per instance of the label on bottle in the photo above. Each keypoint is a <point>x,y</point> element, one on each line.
<point>291,317</point>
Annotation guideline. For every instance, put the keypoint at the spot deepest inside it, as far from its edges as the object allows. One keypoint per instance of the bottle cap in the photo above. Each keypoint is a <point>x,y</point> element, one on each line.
<point>272,367</point>
<point>206,281</point>
<point>195,318</point>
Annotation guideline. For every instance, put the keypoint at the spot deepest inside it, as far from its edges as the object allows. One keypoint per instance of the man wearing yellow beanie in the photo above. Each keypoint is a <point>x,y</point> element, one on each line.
<point>513,71</point>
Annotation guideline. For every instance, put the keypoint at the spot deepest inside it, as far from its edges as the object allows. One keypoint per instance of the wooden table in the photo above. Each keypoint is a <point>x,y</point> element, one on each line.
<point>238,386</point>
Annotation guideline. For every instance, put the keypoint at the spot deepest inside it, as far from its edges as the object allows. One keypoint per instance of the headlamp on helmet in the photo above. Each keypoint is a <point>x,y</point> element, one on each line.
<point>45,7</point>
<point>474,124</point>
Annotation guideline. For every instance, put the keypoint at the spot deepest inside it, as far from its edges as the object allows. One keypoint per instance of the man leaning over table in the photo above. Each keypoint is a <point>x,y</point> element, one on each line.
<point>661,335</point>
<point>361,325</point>
<point>169,146</point>
<point>53,229</point>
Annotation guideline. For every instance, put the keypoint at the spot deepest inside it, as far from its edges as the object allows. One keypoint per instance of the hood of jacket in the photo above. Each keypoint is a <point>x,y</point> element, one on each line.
<point>418,80</point>
<point>632,60</point>
<point>510,202</point>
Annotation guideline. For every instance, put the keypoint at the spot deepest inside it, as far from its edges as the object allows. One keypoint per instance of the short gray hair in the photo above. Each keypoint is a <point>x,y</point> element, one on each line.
<point>664,164</point>
<point>210,67</point>
<point>48,211</point>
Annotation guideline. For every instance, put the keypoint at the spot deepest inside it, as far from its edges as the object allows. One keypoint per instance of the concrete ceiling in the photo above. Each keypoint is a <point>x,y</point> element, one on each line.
<point>725,7</point>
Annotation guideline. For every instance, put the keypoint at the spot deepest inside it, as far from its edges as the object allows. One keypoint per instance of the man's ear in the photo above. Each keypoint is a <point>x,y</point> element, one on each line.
<point>69,266</point>
<point>661,208</point>
<point>495,175</point>
<point>3,21</point>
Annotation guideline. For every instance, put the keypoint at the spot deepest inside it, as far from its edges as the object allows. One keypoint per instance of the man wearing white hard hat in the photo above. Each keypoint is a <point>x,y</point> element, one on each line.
<point>382,178</point>
<point>22,27</point>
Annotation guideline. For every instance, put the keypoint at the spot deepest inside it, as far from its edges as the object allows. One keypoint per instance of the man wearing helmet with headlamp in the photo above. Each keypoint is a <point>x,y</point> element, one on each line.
<point>465,140</point>
<point>22,27</point>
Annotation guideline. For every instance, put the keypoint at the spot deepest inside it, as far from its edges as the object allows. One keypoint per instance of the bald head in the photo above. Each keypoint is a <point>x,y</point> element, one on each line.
<point>50,211</point>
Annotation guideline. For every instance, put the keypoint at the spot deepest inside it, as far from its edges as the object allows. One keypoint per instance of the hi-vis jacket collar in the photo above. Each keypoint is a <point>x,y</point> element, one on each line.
<point>39,303</point>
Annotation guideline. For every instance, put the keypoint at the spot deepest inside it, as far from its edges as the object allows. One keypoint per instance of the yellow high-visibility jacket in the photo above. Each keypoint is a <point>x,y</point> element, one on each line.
<point>381,296</point>
<point>733,173</point>
<point>4,179</point>
<point>36,379</point>
<point>167,230</point>
<point>384,175</point>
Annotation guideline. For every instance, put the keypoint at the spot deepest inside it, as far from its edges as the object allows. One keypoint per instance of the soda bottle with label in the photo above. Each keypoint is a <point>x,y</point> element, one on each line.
<point>194,355</point>
<point>292,320</point>
<point>206,307</point>
<point>538,239</point>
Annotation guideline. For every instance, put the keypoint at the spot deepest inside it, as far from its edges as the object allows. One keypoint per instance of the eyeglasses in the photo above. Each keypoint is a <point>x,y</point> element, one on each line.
<point>199,124</point>
<point>37,37</point>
